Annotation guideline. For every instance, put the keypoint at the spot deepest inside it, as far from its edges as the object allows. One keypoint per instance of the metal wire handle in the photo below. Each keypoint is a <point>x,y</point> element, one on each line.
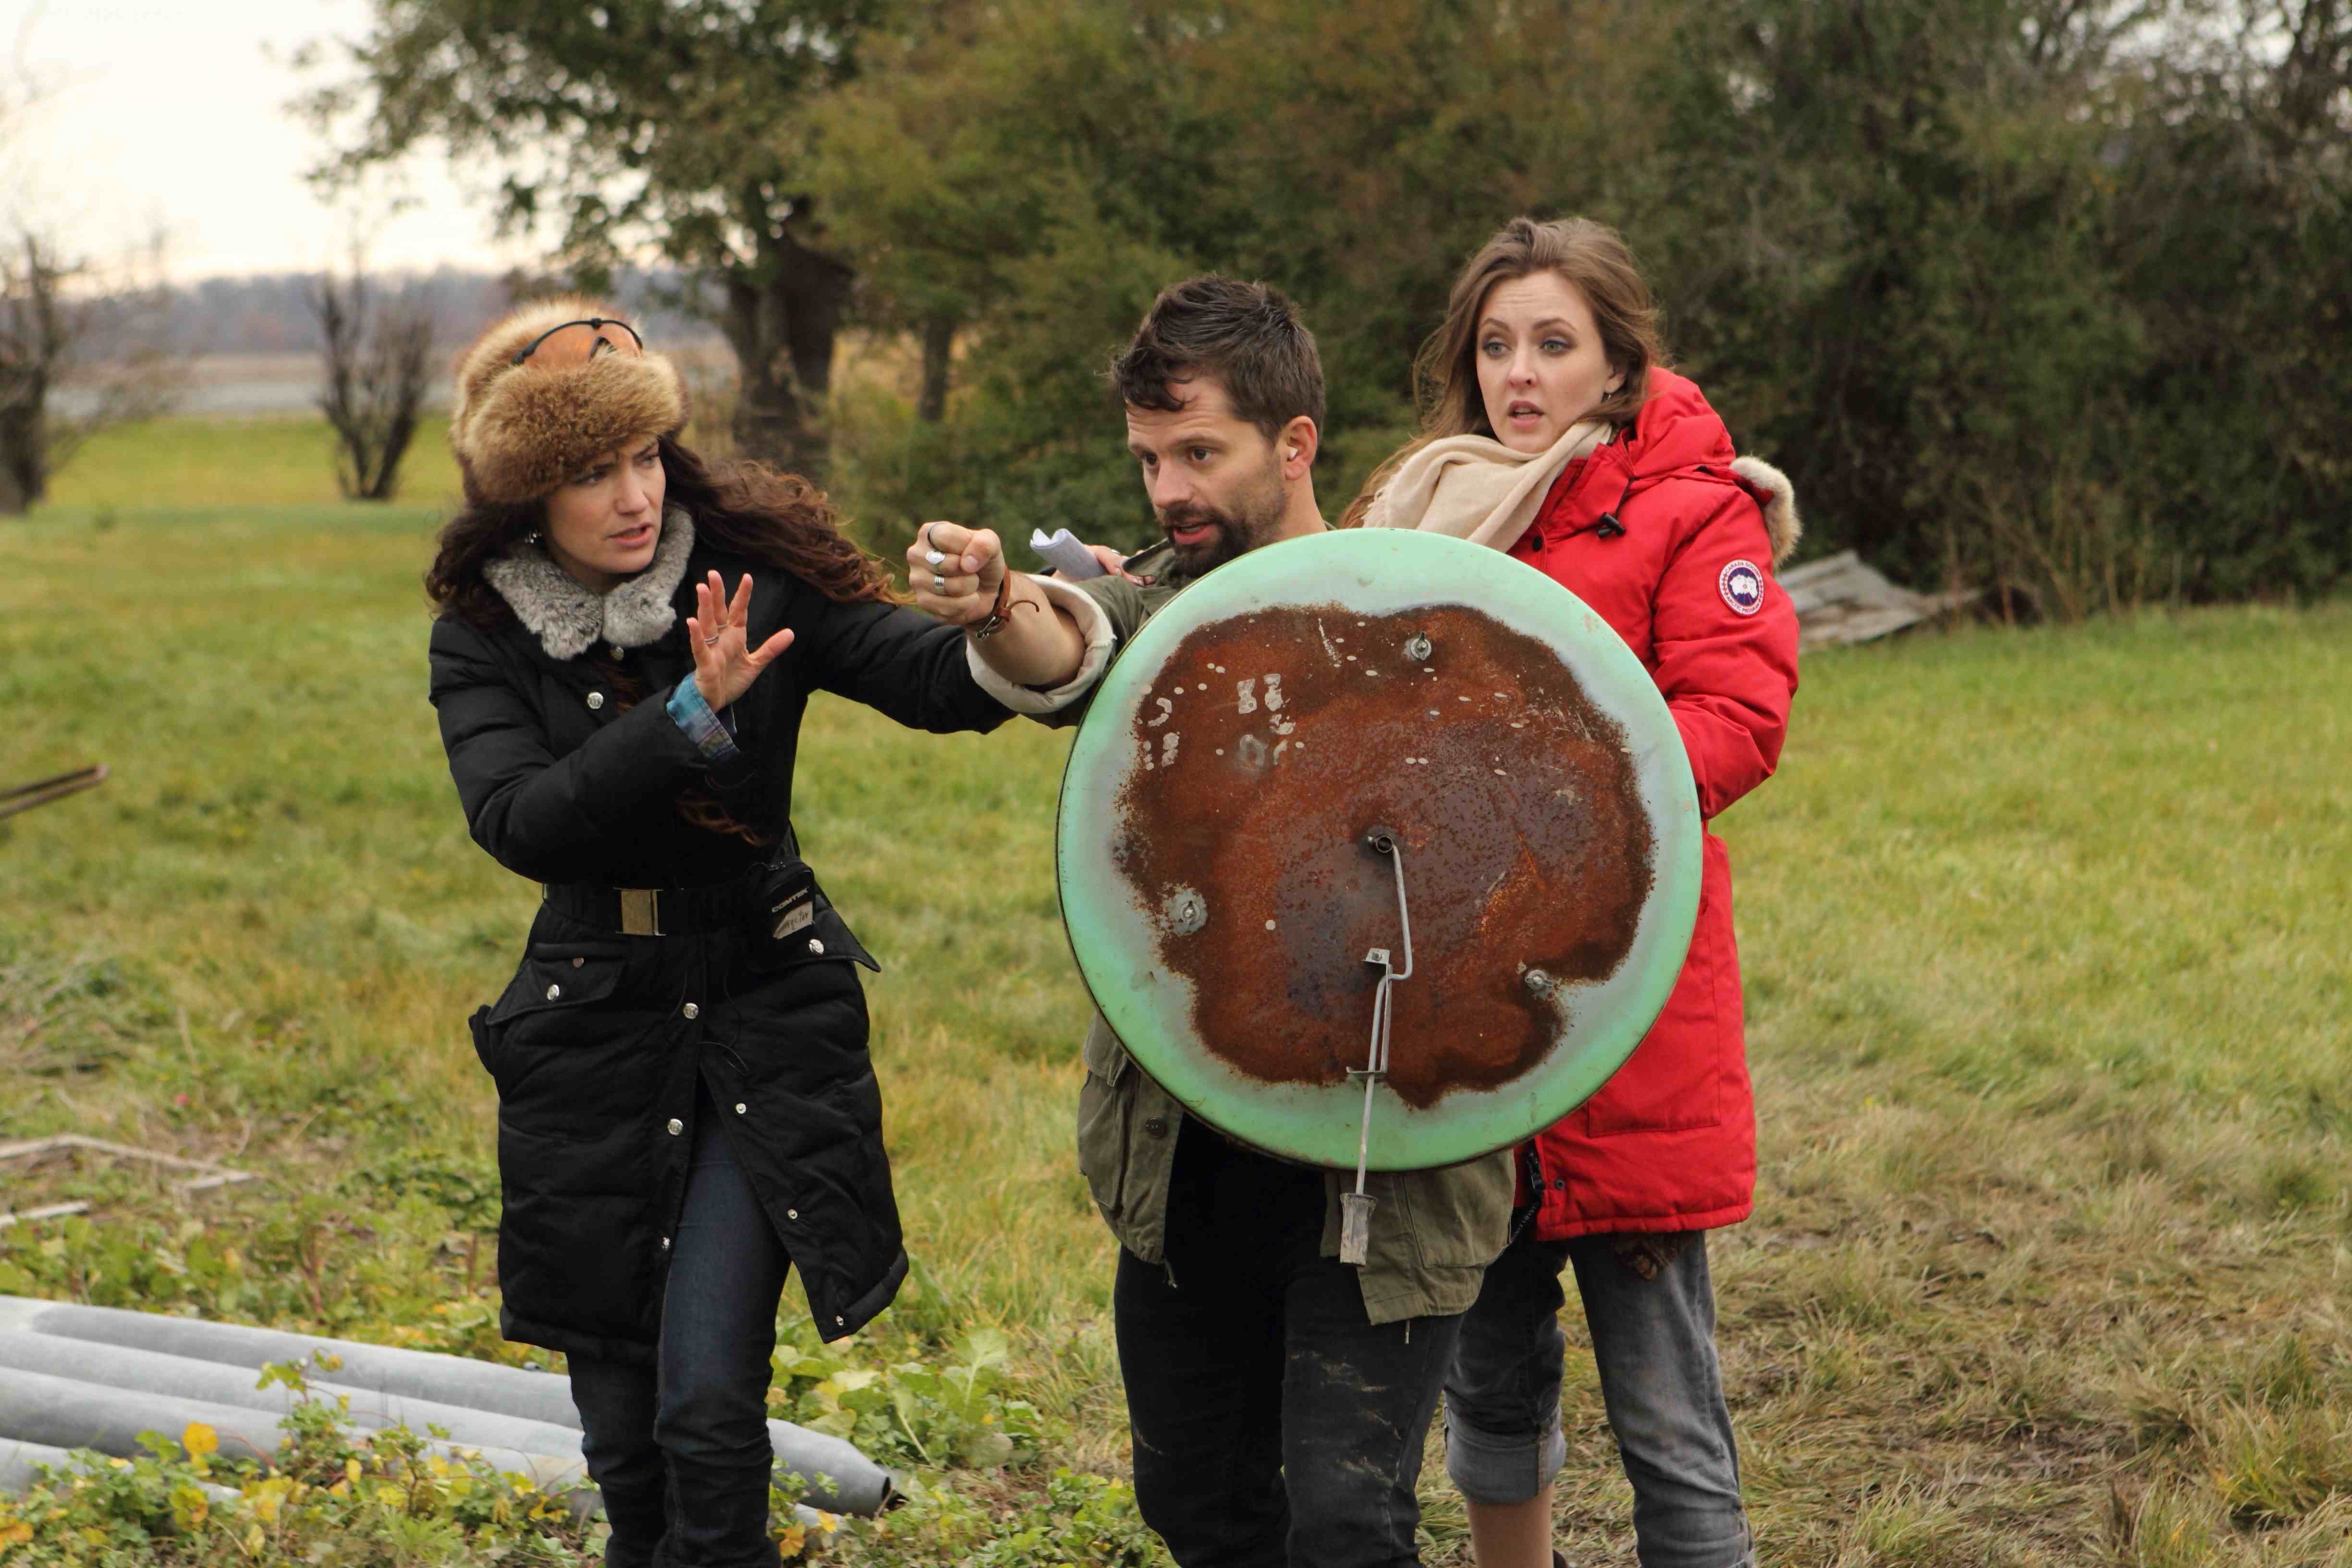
<point>1356,1207</point>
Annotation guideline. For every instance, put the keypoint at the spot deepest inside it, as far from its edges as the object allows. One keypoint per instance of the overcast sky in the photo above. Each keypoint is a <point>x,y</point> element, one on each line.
<point>167,111</point>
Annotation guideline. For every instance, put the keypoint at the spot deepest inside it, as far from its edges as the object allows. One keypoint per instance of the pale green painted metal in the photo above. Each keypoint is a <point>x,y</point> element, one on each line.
<point>1373,571</point>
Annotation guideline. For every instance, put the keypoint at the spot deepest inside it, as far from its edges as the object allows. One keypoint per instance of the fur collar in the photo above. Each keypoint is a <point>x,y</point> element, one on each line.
<point>566,617</point>
<point>1779,500</point>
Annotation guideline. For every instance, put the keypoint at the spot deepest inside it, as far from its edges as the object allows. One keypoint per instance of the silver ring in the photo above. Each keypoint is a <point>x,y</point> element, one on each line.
<point>924,537</point>
<point>934,560</point>
<point>938,584</point>
<point>712,642</point>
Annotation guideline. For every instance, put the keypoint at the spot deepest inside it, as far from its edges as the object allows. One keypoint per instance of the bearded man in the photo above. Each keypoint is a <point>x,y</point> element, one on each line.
<point>1278,1397</point>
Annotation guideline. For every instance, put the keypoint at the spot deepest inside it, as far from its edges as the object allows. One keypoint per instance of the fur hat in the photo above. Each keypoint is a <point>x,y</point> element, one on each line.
<point>522,430</point>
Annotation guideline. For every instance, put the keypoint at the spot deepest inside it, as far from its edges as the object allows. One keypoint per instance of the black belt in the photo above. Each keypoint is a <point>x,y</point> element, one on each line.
<point>652,911</point>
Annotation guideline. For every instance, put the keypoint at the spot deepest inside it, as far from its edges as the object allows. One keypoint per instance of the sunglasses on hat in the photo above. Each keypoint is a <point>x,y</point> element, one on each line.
<point>577,342</point>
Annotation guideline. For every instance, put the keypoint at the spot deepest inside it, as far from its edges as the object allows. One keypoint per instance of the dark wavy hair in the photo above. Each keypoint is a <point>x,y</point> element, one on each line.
<point>1247,335</point>
<point>740,507</point>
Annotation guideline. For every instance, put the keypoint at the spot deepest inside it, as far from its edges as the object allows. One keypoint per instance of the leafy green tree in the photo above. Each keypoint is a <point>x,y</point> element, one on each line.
<point>1881,231</point>
<point>936,182</point>
<point>1353,155</point>
<point>1356,155</point>
<point>986,178</point>
<point>631,127</point>
<point>2236,191</point>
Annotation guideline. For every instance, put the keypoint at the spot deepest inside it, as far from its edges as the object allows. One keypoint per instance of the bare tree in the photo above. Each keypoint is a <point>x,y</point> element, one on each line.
<point>377,354</point>
<point>79,347</point>
<point>78,352</point>
<point>33,341</point>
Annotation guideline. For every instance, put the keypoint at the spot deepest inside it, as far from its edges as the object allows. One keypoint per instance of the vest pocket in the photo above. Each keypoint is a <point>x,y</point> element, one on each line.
<point>1105,1110</point>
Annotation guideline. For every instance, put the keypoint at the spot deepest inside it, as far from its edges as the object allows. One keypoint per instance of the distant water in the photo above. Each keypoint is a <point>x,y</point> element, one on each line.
<point>243,387</point>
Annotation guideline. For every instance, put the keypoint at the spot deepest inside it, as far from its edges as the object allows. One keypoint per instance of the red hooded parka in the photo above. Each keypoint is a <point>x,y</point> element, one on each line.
<point>1672,538</point>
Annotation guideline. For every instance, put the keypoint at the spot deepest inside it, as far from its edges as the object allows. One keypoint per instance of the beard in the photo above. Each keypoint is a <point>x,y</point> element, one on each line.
<point>1254,518</point>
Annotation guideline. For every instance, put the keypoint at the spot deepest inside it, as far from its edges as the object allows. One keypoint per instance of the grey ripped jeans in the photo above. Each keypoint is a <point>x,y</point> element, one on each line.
<point>1654,1342</point>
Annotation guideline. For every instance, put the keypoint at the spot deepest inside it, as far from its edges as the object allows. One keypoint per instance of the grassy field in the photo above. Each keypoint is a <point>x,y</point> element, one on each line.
<point>2046,938</point>
<point>236,463</point>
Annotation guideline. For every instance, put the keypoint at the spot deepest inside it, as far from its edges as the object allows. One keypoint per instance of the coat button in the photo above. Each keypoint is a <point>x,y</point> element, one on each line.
<point>596,699</point>
<point>618,650</point>
<point>578,961</point>
<point>816,947</point>
<point>676,1127</point>
<point>1156,1127</point>
<point>692,1011</point>
<point>665,1244</point>
<point>742,1109</point>
<point>837,1322</point>
<point>554,992</point>
<point>792,1214</point>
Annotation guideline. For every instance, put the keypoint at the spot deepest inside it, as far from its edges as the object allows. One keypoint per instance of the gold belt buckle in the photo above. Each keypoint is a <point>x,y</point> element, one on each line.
<point>640,912</point>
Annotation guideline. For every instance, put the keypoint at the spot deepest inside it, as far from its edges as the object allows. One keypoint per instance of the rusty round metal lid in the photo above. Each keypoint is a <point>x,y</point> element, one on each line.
<point>1221,891</point>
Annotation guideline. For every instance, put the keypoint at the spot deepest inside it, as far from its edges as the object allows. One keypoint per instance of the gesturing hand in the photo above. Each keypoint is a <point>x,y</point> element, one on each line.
<point>725,664</point>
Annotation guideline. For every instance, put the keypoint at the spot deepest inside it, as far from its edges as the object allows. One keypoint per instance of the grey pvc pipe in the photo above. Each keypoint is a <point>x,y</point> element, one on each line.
<point>19,1461</point>
<point>65,1413</point>
<point>415,1375</point>
<point>383,1379</point>
<point>22,1458</point>
<point>177,1377</point>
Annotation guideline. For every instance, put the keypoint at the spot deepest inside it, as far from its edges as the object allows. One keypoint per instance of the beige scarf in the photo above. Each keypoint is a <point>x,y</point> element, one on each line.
<point>1474,487</point>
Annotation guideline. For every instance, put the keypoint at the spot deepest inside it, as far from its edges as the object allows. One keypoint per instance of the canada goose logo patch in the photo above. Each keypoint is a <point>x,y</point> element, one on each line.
<point>1742,584</point>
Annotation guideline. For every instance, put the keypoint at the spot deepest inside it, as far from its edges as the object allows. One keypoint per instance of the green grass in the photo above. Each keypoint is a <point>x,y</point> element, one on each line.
<point>239,463</point>
<point>2045,936</point>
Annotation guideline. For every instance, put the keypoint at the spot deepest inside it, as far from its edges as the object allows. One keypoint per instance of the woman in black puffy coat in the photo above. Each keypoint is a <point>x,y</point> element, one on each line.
<point>626,639</point>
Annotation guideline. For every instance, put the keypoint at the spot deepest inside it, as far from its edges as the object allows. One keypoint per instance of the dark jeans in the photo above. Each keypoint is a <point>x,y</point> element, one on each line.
<point>1275,1425</point>
<point>1653,1344</point>
<point>681,1448</point>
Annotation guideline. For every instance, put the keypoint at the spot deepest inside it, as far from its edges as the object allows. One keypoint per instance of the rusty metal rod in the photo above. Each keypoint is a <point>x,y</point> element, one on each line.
<point>40,792</point>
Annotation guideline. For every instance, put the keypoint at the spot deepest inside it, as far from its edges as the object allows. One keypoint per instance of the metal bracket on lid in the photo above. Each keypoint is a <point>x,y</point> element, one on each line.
<point>1356,1207</point>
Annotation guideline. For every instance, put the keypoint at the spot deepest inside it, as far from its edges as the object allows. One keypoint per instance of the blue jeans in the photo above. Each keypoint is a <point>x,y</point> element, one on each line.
<point>1275,1425</point>
<point>1653,1343</point>
<point>680,1446</point>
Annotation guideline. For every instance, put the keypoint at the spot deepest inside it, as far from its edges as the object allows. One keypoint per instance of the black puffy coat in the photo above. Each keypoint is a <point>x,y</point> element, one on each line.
<point>598,1041</point>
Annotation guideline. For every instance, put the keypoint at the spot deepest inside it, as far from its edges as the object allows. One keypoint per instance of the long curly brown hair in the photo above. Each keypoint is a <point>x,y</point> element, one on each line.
<point>741,508</point>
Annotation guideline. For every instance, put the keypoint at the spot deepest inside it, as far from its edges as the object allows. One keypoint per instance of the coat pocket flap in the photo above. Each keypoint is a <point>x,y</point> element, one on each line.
<point>559,974</point>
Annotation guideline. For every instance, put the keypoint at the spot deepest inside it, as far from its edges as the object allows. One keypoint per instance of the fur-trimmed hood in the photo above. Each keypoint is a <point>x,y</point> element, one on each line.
<point>567,616</point>
<point>1778,496</point>
<point>522,430</point>
<point>1678,431</point>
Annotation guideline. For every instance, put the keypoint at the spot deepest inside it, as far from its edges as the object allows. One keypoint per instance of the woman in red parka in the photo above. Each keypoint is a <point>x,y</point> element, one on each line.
<point>1555,432</point>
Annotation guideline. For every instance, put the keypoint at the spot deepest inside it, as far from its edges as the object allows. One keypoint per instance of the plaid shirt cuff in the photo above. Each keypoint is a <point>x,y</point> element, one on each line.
<point>709,732</point>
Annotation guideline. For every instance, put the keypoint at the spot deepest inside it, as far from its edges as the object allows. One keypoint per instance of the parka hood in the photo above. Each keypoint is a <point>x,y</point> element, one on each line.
<point>1679,432</point>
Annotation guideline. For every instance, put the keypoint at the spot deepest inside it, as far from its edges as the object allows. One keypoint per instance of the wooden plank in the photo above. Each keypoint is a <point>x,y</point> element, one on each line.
<point>1842,599</point>
<point>209,1176</point>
